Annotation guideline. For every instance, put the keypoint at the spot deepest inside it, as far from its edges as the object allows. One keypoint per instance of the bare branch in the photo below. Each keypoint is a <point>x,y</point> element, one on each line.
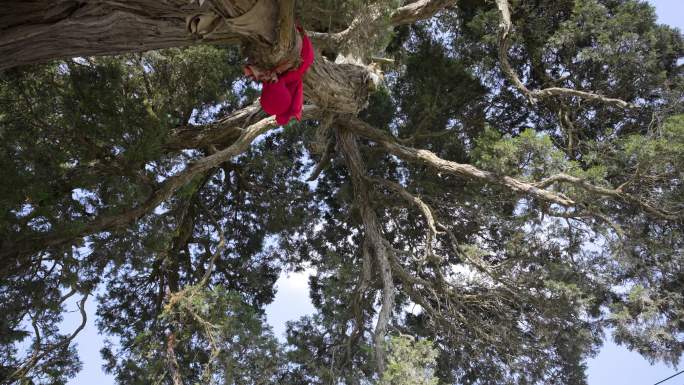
<point>39,354</point>
<point>608,192</point>
<point>359,293</point>
<point>532,95</point>
<point>373,18</point>
<point>449,303</point>
<point>367,20</point>
<point>426,135</point>
<point>222,132</point>
<point>431,232</point>
<point>323,163</point>
<point>428,157</point>
<point>419,10</point>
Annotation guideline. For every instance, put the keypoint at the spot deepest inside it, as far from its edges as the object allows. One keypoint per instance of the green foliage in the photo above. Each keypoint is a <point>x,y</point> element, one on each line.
<point>410,362</point>
<point>531,155</point>
<point>517,291</point>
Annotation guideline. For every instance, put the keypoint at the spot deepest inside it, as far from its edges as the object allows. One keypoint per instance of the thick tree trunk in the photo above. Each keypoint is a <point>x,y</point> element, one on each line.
<point>39,30</point>
<point>341,88</point>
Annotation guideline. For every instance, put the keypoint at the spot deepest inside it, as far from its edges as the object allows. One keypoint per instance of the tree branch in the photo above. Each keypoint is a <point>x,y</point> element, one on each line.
<point>171,361</point>
<point>535,190</point>
<point>323,163</point>
<point>286,39</point>
<point>219,248</point>
<point>38,355</point>
<point>373,18</point>
<point>428,157</point>
<point>506,26</point>
<point>220,133</point>
<point>357,171</point>
<point>431,232</point>
<point>42,241</point>
<point>608,192</point>
<point>419,10</point>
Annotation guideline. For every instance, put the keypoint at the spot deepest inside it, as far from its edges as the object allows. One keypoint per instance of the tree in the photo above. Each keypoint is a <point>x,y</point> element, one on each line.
<point>503,180</point>
<point>409,362</point>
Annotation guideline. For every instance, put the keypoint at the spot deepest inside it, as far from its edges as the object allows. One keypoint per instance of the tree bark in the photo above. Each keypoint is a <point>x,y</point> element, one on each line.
<point>373,235</point>
<point>37,31</point>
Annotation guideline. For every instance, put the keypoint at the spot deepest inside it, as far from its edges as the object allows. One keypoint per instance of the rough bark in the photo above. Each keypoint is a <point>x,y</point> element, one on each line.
<point>347,142</point>
<point>339,88</point>
<point>39,30</point>
<point>221,133</point>
<point>171,361</point>
<point>465,170</point>
<point>419,10</point>
<point>363,29</point>
<point>535,190</point>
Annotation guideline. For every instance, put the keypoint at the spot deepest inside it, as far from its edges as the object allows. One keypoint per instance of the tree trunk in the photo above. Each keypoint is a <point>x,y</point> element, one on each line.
<point>37,31</point>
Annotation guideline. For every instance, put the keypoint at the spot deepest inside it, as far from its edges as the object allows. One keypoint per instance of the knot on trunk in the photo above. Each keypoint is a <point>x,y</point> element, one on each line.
<point>213,17</point>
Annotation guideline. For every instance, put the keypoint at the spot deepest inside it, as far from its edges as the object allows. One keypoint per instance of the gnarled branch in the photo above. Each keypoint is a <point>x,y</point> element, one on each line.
<point>608,192</point>
<point>13,249</point>
<point>419,10</point>
<point>506,26</point>
<point>373,18</point>
<point>535,190</point>
<point>39,354</point>
<point>349,147</point>
<point>428,157</point>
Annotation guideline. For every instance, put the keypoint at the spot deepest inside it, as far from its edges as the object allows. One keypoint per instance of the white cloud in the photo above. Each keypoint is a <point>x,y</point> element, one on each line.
<point>291,302</point>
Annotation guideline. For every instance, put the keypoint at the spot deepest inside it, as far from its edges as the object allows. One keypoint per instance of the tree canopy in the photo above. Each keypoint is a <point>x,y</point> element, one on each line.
<point>483,191</point>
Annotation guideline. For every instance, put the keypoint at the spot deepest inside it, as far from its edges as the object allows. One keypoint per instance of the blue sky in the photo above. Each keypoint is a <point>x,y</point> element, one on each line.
<point>613,365</point>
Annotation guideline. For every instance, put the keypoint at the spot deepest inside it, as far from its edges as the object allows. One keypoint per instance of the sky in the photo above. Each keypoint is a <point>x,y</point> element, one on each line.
<point>614,365</point>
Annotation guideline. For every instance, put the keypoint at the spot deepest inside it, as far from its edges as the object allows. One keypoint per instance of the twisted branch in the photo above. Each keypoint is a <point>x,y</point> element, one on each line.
<point>533,95</point>
<point>38,355</point>
<point>164,191</point>
<point>349,147</point>
<point>373,18</point>
<point>535,190</point>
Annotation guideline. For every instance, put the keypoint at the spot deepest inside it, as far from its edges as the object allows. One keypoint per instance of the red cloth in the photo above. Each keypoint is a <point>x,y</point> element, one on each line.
<point>285,98</point>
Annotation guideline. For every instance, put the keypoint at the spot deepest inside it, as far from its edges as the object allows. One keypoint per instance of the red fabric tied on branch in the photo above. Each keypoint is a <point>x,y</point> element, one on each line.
<point>284,98</point>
